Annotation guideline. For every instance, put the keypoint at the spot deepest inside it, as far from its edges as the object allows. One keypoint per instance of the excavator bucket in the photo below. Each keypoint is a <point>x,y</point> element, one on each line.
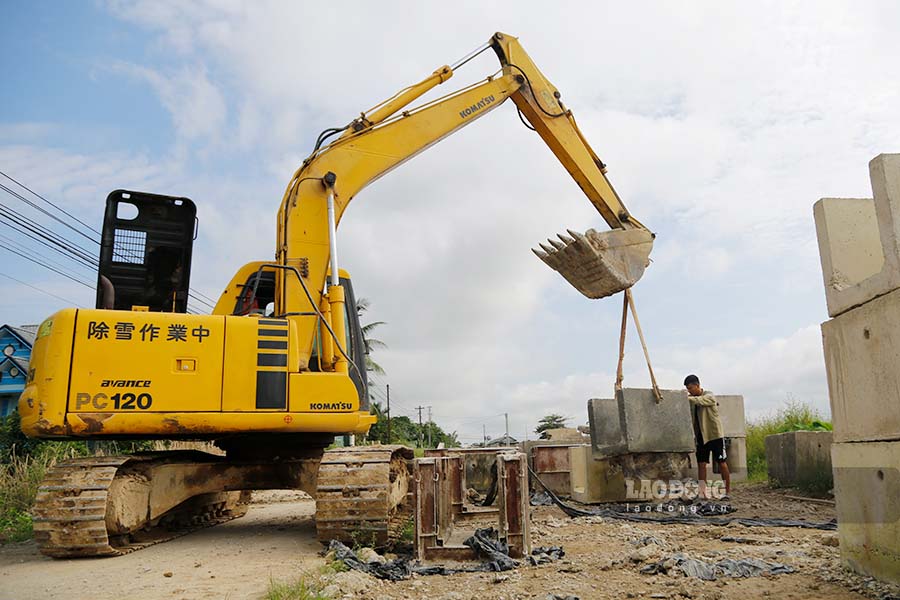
<point>599,264</point>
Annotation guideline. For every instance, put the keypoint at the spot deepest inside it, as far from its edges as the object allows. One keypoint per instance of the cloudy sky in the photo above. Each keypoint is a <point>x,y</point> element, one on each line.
<point>721,124</point>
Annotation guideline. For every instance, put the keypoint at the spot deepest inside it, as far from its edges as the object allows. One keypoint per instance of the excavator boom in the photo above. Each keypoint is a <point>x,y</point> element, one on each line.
<point>597,264</point>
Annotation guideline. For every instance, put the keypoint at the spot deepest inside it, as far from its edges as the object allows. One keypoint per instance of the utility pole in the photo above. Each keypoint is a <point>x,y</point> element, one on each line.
<point>419,408</point>
<point>506,418</point>
<point>429,427</point>
<point>388,386</point>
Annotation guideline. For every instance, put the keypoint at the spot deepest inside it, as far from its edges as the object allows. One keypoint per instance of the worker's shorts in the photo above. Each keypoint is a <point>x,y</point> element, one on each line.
<point>714,447</point>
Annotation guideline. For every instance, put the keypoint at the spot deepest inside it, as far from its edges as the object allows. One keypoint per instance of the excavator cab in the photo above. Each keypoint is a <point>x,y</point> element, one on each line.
<point>257,296</point>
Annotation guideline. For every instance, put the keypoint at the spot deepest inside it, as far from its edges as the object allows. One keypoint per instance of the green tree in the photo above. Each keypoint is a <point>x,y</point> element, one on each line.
<point>552,421</point>
<point>405,431</point>
<point>378,430</point>
<point>371,343</point>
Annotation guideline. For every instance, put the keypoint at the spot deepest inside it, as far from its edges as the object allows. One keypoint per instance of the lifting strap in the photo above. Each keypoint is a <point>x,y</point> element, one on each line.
<point>628,303</point>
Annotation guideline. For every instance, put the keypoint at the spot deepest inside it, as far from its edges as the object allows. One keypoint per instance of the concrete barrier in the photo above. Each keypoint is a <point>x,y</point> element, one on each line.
<point>859,240</point>
<point>867,492</point>
<point>862,349</point>
<point>610,479</point>
<point>799,458</point>
<point>859,244</point>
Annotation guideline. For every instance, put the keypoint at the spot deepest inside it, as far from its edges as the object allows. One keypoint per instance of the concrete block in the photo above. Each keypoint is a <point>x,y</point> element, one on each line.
<point>859,239</point>
<point>862,351</point>
<point>565,434</point>
<point>592,480</point>
<point>799,458</point>
<point>731,411</point>
<point>609,479</point>
<point>633,422</point>
<point>735,458</point>
<point>867,492</point>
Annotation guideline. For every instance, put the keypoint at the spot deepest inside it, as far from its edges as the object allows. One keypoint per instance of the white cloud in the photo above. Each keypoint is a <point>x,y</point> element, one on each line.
<point>197,106</point>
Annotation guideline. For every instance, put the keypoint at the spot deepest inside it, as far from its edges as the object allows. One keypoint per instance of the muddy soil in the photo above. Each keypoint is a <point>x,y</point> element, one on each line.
<point>276,541</point>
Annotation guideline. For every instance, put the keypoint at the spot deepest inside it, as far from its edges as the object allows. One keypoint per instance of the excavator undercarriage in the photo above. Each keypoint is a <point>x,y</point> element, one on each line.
<point>106,506</point>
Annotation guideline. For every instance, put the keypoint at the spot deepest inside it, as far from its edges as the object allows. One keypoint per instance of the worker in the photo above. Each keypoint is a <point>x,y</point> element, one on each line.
<point>708,432</point>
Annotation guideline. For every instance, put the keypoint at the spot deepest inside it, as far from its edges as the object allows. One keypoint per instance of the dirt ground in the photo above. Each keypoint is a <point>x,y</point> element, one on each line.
<point>276,541</point>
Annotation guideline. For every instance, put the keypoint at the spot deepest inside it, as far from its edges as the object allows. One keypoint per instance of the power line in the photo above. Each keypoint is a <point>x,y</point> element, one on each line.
<point>34,254</point>
<point>27,223</point>
<point>196,299</point>
<point>204,296</point>
<point>66,300</point>
<point>22,185</point>
<point>37,262</point>
<point>44,243</point>
<point>41,234</point>
<point>52,216</point>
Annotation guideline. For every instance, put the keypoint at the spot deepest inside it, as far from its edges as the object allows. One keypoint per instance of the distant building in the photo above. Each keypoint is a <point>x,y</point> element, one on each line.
<point>15,354</point>
<point>503,440</point>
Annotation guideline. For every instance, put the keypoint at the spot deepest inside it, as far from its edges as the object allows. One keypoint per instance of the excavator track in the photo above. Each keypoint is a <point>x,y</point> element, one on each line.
<point>72,510</point>
<point>362,494</point>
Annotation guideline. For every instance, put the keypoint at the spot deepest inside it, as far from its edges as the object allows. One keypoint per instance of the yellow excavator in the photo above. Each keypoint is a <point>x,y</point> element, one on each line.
<point>277,370</point>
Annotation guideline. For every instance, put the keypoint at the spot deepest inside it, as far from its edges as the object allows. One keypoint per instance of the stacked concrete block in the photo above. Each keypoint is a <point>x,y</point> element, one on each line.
<point>799,458</point>
<point>633,438</point>
<point>859,245</point>
<point>621,478</point>
<point>867,489</point>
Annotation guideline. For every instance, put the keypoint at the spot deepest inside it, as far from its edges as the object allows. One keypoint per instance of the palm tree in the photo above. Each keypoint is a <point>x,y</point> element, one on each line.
<point>362,305</point>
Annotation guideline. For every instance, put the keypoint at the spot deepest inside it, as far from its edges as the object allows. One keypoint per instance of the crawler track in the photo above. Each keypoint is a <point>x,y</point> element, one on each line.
<point>361,494</point>
<point>70,511</point>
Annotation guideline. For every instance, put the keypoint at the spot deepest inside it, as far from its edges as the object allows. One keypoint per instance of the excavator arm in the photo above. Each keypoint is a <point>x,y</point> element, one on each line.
<point>390,134</point>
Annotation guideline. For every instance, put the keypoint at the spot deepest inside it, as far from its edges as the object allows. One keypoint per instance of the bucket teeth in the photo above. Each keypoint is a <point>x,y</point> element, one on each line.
<point>599,264</point>
<point>575,234</point>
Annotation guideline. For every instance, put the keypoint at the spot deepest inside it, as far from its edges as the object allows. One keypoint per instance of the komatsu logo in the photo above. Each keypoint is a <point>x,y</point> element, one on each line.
<point>476,107</point>
<point>330,406</point>
<point>125,383</point>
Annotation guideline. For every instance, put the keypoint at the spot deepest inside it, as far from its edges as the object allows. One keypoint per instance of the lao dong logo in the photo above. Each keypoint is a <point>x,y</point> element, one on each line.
<point>673,489</point>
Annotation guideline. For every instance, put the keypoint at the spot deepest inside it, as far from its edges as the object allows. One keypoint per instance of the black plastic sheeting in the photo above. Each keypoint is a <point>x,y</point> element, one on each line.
<point>545,554</point>
<point>485,543</point>
<point>701,513</point>
<point>692,567</point>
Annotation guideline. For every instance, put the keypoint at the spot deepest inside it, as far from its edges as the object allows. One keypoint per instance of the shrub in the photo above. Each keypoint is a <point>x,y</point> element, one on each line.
<point>23,463</point>
<point>297,590</point>
<point>19,481</point>
<point>794,416</point>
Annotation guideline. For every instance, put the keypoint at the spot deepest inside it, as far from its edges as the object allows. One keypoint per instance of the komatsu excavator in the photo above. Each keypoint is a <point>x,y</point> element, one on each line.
<point>277,370</point>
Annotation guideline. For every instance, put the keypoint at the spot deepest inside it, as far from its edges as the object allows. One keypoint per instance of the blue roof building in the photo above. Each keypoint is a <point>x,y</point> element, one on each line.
<point>15,353</point>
